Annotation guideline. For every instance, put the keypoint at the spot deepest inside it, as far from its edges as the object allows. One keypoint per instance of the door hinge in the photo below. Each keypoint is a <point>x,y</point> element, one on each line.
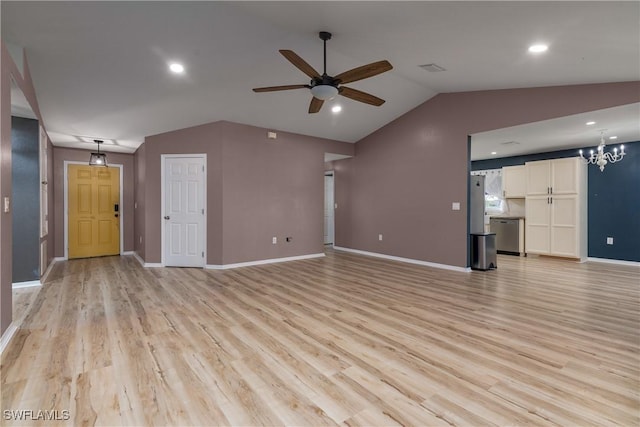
<point>202,168</point>
<point>202,254</point>
<point>202,211</point>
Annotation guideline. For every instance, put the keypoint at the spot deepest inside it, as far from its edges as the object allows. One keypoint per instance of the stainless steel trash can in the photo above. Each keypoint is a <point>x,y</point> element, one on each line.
<point>483,251</point>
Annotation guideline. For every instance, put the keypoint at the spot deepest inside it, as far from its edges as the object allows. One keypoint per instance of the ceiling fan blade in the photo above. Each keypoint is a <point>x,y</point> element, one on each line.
<point>300,63</point>
<point>315,105</point>
<point>364,72</point>
<point>275,88</point>
<point>358,95</point>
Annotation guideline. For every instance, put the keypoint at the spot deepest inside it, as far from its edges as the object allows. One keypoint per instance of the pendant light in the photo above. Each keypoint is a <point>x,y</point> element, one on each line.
<point>98,159</point>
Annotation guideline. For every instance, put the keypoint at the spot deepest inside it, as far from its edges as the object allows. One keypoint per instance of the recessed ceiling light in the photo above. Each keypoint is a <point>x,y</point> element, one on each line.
<point>613,137</point>
<point>336,108</point>
<point>538,48</point>
<point>176,68</point>
<point>493,153</point>
<point>591,123</point>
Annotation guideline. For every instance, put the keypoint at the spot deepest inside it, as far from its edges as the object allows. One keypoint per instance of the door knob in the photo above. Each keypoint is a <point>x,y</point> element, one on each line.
<point>167,217</point>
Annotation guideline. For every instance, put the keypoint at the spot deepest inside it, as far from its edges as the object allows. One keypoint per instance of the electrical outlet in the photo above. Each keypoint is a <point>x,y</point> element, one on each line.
<point>274,240</point>
<point>380,237</point>
<point>140,239</point>
<point>609,240</point>
<point>7,205</point>
<point>455,206</point>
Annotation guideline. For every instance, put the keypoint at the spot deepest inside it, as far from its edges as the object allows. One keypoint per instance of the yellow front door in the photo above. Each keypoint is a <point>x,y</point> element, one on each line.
<point>94,217</point>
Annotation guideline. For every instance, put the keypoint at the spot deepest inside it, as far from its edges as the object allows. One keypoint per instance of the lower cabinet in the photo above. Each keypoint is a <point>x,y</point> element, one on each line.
<point>556,225</point>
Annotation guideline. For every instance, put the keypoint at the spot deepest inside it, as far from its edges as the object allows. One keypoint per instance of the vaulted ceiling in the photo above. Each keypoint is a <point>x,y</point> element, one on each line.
<point>100,69</point>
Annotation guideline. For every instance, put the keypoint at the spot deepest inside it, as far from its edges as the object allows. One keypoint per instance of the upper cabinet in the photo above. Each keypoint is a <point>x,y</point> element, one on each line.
<point>557,176</point>
<point>514,182</point>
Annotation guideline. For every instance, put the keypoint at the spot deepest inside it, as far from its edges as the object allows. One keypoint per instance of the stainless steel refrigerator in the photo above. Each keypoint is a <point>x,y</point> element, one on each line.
<point>476,204</point>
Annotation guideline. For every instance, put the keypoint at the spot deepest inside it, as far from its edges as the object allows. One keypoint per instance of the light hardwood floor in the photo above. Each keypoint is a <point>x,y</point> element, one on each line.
<point>344,339</point>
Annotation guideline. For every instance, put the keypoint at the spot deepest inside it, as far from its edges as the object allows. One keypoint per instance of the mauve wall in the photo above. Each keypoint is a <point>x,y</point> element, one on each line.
<point>404,177</point>
<point>60,155</point>
<point>203,139</point>
<point>257,188</point>
<point>8,68</point>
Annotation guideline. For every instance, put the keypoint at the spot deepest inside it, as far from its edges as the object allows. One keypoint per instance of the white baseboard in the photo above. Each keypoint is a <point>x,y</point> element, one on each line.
<point>144,264</point>
<point>407,260</point>
<point>127,253</point>
<point>58,258</point>
<point>44,277</point>
<point>139,258</point>
<point>29,284</point>
<point>262,262</point>
<point>6,337</point>
<point>614,261</point>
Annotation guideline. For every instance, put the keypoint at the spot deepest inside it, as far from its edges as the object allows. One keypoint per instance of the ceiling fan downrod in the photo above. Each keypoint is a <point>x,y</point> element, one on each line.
<point>324,36</point>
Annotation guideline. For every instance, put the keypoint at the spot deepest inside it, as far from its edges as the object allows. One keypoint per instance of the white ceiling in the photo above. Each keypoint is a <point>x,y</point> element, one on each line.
<point>560,134</point>
<point>100,68</point>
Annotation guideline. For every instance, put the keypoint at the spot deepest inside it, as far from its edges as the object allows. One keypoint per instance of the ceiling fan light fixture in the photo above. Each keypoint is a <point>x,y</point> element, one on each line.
<point>324,92</point>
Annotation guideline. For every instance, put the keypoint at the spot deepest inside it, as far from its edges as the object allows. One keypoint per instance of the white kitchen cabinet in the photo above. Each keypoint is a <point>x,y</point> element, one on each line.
<point>557,176</point>
<point>556,208</point>
<point>514,182</point>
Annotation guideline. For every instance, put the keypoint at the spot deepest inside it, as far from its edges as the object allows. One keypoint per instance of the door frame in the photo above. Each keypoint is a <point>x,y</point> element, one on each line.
<point>332,174</point>
<point>66,204</point>
<point>163,158</point>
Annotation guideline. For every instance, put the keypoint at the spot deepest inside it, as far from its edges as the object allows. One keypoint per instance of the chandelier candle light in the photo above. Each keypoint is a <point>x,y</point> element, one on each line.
<point>601,158</point>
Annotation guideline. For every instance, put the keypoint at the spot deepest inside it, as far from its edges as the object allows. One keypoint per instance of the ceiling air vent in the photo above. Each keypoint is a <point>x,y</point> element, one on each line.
<point>510,143</point>
<point>432,68</point>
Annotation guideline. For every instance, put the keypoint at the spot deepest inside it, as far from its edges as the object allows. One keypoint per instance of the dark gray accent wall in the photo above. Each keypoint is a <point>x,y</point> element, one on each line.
<point>613,200</point>
<point>25,199</point>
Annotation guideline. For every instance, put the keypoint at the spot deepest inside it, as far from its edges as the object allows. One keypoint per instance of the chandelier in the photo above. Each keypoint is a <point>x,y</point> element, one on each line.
<point>601,158</point>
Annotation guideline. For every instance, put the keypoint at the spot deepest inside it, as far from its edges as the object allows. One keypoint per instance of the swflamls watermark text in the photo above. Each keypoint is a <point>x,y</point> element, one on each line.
<point>36,415</point>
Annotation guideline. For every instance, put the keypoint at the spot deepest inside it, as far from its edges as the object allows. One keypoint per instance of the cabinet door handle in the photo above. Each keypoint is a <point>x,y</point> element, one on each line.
<point>547,200</point>
<point>551,200</point>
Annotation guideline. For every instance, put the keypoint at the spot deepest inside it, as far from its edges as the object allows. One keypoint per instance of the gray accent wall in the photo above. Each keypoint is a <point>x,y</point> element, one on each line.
<point>25,172</point>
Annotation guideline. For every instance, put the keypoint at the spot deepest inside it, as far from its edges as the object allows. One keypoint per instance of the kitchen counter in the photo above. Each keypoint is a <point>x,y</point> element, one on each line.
<point>507,217</point>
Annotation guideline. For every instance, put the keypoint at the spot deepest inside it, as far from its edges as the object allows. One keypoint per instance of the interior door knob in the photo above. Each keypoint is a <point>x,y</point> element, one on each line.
<point>167,217</point>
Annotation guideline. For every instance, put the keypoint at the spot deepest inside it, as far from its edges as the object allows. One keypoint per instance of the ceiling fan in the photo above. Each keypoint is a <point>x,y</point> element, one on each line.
<point>324,87</point>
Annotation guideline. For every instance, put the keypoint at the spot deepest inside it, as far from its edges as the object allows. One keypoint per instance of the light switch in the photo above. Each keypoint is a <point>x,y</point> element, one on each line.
<point>7,205</point>
<point>455,206</point>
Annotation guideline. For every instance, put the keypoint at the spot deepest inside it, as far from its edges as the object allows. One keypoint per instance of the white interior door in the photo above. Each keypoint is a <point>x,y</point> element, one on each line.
<point>184,211</point>
<point>329,225</point>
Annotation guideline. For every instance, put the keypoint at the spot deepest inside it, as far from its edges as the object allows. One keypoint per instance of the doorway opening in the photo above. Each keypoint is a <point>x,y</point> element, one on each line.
<point>329,208</point>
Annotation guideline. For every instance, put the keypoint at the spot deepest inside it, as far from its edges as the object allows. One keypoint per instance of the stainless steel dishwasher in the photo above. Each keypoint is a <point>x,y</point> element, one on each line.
<point>507,234</point>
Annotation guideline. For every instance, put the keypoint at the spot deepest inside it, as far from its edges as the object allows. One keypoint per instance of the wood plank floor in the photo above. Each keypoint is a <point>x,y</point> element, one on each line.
<point>341,340</point>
